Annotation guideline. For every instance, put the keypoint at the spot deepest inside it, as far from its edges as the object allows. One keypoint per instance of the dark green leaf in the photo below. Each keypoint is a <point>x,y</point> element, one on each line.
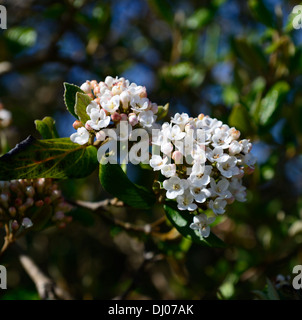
<point>47,128</point>
<point>182,220</point>
<point>271,102</point>
<point>164,9</point>
<point>115,181</point>
<point>251,54</point>
<point>70,97</point>
<point>52,158</point>
<point>82,101</point>
<point>261,13</point>
<point>240,119</point>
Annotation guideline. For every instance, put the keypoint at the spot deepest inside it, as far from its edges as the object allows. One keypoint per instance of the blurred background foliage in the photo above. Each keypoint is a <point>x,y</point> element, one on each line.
<point>239,61</point>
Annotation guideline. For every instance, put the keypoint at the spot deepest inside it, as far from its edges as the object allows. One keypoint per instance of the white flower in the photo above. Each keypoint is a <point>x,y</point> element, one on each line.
<point>146,118</point>
<point>217,155</point>
<point>92,107</point>
<point>221,139</point>
<point>221,188</point>
<point>168,170</point>
<point>175,187</point>
<point>217,205</point>
<point>112,105</point>
<point>228,168</point>
<point>139,104</point>
<point>185,202</point>
<point>157,162</point>
<point>235,148</point>
<point>175,133</point>
<point>99,119</point>
<point>200,194</point>
<point>80,137</point>
<point>201,178</point>
<point>27,223</point>
<point>201,223</point>
<point>180,119</point>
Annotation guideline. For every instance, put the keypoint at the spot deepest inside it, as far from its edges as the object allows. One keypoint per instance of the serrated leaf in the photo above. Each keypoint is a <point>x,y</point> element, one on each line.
<point>81,103</point>
<point>162,111</point>
<point>47,128</point>
<point>182,220</point>
<point>70,97</point>
<point>51,158</point>
<point>115,181</point>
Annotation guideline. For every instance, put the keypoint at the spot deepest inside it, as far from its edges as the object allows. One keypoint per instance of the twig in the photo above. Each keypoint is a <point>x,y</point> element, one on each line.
<point>148,257</point>
<point>46,287</point>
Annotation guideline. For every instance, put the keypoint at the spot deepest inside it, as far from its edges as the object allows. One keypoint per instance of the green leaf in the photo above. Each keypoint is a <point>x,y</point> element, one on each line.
<point>261,13</point>
<point>251,54</point>
<point>51,158</point>
<point>164,9</point>
<point>162,111</point>
<point>200,18</point>
<point>240,119</point>
<point>47,128</point>
<point>271,291</point>
<point>81,103</point>
<point>182,220</point>
<point>70,97</point>
<point>115,181</point>
<point>272,101</point>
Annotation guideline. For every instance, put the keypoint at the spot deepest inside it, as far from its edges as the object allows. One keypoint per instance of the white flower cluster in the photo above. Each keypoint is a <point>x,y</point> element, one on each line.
<point>114,100</point>
<point>203,162</point>
<point>20,198</point>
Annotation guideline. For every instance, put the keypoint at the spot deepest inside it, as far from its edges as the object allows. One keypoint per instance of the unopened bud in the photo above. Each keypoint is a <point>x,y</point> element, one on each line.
<point>15,225</point>
<point>39,203</point>
<point>12,211</point>
<point>116,117</point>
<point>200,116</point>
<point>177,157</point>
<point>86,87</point>
<point>77,124</point>
<point>133,120</point>
<point>124,117</point>
<point>100,136</point>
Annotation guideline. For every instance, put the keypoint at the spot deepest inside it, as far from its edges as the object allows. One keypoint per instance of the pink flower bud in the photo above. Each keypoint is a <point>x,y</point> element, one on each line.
<point>124,117</point>
<point>18,202</point>
<point>101,135</point>
<point>77,124</point>
<point>177,157</point>
<point>86,87</point>
<point>133,120</point>
<point>87,126</point>
<point>154,108</point>
<point>47,200</point>
<point>39,203</point>
<point>249,170</point>
<point>93,83</point>
<point>116,117</point>
<point>96,90</point>
<point>143,93</point>
<point>30,191</point>
<point>230,200</point>
<point>12,211</point>
<point>15,225</point>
